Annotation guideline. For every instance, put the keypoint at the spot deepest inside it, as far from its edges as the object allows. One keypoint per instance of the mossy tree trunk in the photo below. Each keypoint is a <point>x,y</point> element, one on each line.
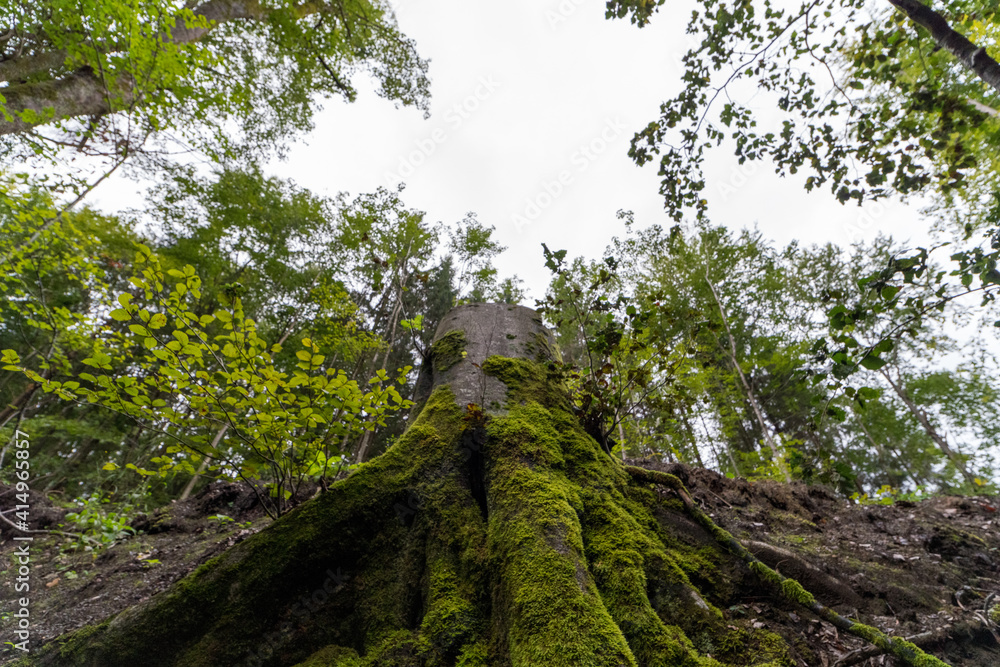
<point>496,533</point>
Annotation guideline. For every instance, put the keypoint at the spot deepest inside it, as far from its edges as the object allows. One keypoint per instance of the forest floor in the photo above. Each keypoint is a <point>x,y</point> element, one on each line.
<point>908,568</point>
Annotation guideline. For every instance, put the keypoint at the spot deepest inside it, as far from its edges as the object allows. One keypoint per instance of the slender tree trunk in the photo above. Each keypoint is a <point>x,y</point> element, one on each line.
<point>186,493</point>
<point>750,395</point>
<point>940,440</point>
<point>882,451</point>
<point>693,440</point>
<point>15,406</point>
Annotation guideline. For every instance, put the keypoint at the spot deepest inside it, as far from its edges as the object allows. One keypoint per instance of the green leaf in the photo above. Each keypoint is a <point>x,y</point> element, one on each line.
<point>872,362</point>
<point>120,315</point>
<point>889,292</point>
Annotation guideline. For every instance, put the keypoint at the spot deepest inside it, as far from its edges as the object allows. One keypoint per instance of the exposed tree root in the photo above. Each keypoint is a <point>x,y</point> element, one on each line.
<point>508,540</point>
<point>928,638</point>
<point>790,589</point>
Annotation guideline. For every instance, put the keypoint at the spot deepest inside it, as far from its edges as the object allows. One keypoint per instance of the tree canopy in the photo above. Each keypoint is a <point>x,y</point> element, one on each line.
<point>223,75</point>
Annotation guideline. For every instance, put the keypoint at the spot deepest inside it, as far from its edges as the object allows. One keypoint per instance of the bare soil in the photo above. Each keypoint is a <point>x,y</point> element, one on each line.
<point>72,586</point>
<point>909,568</point>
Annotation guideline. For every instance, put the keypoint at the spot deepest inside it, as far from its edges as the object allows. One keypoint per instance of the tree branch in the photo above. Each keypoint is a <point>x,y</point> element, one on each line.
<point>972,57</point>
<point>18,69</point>
<point>82,93</point>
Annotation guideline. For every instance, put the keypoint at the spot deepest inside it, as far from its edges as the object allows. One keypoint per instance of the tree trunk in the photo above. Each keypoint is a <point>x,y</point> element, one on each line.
<point>973,57</point>
<point>493,532</point>
<point>776,454</point>
<point>941,441</point>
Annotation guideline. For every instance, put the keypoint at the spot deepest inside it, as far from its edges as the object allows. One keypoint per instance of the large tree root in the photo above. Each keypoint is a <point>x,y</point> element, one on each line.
<point>509,540</point>
<point>789,589</point>
<point>512,542</point>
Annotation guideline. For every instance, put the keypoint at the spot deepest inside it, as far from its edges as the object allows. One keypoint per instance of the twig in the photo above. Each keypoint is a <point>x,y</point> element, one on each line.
<point>76,536</point>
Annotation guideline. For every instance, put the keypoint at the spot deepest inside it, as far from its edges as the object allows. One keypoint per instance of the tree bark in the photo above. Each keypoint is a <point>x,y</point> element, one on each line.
<point>972,57</point>
<point>83,93</point>
<point>751,396</point>
<point>941,441</point>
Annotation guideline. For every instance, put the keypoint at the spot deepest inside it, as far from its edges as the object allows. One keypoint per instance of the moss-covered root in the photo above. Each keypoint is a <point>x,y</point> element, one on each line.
<point>344,570</point>
<point>790,589</point>
<point>552,609</point>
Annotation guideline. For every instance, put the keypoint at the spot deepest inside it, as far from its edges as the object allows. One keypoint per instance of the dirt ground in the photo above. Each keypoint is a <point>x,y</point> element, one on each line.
<point>929,570</point>
<point>72,587</point>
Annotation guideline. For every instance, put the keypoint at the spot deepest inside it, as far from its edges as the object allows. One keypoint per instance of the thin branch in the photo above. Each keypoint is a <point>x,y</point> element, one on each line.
<point>75,536</point>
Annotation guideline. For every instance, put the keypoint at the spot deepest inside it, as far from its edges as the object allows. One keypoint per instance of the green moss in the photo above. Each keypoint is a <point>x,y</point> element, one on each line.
<point>754,646</point>
<point>520,432</point>
<point>527,381</point>
<point>562,528</point>
<point>473,655</point>
<point>994,614</point>
<point>897,647</point>
<point>790,589</point>
<point>448,350</point>
<point>555,614</point>
<point>395,650</point>
<point>331,656</point>
<point>451,618</point>
<point>620,552</point>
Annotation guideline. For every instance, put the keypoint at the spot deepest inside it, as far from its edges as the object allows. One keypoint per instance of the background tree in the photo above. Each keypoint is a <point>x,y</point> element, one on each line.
<point>700,346</point>
<point>191,68</point>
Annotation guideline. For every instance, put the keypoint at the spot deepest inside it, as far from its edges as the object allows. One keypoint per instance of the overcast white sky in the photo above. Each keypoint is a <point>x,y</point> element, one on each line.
<point>534,104</point>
